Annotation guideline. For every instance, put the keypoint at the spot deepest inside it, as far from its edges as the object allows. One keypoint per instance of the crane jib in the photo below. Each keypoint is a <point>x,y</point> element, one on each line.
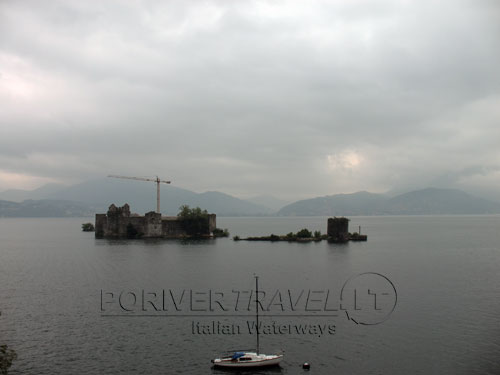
<point>157,180</point>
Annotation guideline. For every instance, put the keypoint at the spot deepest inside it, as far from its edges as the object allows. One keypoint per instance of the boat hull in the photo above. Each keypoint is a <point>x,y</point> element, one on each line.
<point>273,360</point>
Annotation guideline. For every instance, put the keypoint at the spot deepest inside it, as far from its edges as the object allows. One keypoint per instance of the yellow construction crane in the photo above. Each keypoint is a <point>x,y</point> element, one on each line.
<point>157,180</point>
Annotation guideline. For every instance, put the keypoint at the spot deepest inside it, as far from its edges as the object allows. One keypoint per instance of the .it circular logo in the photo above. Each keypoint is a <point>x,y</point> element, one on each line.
<point>368,298</point>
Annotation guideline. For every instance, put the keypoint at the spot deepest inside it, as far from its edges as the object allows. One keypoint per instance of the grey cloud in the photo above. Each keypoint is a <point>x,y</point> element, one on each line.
<point>251,98</point>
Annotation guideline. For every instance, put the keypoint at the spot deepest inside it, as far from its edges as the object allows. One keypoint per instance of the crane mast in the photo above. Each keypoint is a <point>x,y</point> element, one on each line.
<point>157,180</point>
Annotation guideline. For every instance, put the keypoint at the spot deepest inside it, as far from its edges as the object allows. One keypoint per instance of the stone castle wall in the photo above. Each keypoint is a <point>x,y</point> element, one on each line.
<point>119,223</point>
<point>338,228</point>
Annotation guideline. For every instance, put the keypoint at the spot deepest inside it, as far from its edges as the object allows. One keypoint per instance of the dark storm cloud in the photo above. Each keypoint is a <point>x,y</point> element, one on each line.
<point>286,98</point>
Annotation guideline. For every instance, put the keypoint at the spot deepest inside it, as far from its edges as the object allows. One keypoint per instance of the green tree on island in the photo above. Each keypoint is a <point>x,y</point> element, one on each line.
<point>88,227</point>
<point>304,233</point>
<point>194,220</point>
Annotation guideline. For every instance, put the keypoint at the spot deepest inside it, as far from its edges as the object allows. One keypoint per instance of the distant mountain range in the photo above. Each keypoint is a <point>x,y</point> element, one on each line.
<point>90,197</point>
<point>269,201</point>
<point>45,208</point>
<point>430,201</point>
<point>18,195</point>
<point>96,195</point>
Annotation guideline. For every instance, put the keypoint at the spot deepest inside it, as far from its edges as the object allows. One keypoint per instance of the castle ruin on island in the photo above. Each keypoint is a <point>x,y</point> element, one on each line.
<point>118,222</point>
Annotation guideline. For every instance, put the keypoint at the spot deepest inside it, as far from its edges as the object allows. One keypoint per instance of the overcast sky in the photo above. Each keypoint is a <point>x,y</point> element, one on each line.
<point>290,98</point>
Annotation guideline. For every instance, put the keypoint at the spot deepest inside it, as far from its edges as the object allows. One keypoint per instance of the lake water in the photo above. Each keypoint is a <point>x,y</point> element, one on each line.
<point>60,297</point>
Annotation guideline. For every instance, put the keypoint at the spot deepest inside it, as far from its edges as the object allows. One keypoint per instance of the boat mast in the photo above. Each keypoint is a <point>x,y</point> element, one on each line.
<point>257,309</point>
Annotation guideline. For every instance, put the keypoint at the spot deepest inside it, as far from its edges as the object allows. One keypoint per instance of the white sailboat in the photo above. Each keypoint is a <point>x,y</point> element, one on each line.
<point>243,359</point>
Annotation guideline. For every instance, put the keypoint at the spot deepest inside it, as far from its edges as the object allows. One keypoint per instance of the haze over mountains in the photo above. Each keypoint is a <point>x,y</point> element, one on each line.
<point>430,201</point>
<point>43,192</point>
<point>93,196</point>
<point>141,196</point>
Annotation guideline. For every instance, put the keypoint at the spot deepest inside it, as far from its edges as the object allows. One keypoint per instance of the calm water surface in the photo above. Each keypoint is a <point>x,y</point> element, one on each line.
<point>445,270</point>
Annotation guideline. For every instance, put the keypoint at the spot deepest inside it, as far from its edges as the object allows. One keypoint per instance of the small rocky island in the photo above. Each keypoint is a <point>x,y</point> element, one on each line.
<point>118,222</point>
<point>337,231</point>
<point>88,227</point>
